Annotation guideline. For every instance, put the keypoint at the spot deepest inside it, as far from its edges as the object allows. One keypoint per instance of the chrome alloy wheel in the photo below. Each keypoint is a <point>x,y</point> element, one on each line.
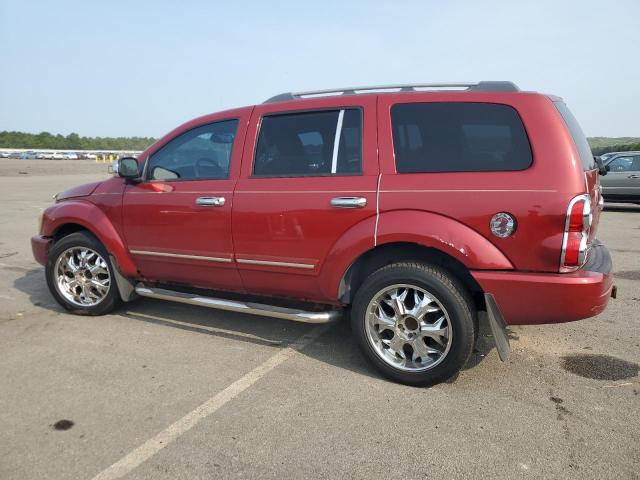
<point>408,328</point>
<point>82,276</point>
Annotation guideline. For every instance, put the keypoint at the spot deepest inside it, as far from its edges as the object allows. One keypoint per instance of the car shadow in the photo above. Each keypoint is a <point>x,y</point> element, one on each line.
<point>336,346</point>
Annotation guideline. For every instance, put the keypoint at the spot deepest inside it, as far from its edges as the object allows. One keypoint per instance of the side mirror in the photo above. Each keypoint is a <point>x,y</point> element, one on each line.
<point>602,169</point>
<point>127,167</point>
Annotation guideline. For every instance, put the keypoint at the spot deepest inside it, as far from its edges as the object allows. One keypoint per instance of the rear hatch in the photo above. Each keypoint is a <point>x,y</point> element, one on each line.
<point>592,180</point>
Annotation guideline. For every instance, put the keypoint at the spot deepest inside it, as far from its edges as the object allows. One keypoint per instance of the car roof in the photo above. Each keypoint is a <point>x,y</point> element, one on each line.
<point>483,86</point>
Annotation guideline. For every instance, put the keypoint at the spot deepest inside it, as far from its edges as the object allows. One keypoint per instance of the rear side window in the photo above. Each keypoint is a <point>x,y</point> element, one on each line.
<point>321,143</point>
<point>458,137</point>
<point>586,157</point>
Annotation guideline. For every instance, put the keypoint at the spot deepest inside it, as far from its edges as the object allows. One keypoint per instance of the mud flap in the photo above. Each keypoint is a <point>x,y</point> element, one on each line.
<point>126,287</point>
<point>498,327</point>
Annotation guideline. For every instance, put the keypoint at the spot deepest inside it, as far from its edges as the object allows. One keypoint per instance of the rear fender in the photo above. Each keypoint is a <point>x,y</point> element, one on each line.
<point>409,226</point>
<point>93,219</point>
<point>442,233</point>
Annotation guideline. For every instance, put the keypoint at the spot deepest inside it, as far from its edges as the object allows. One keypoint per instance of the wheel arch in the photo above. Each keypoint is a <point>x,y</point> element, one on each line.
<point>74,216</point>
<point>382,255</point>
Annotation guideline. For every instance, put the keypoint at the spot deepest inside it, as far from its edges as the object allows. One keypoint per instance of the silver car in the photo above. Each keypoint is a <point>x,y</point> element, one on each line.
<point>622,181</point>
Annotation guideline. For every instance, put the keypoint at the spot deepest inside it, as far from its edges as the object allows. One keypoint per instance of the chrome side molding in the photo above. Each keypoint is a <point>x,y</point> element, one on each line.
<point>304,316</point>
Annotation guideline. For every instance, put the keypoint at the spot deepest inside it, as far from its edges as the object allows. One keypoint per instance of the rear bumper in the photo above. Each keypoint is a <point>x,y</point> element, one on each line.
<point>534,298</point>
<point>40,247</point>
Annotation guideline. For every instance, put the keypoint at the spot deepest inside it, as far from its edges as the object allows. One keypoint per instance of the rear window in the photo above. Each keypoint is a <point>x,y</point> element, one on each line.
<point>586,157</point>
<point>458,137</point>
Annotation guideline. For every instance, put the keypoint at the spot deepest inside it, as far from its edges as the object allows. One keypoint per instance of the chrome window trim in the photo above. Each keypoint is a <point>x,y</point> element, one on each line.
<point>336,144</point>
<point>180,255</point>
<point>249,261</point>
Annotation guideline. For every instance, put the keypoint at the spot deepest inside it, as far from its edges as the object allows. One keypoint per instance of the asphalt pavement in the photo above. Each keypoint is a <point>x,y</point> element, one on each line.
<point>169,391</point>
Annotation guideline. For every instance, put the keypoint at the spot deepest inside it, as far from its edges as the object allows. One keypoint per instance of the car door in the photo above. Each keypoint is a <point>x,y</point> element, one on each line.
<point>622,181</point>
<point>177,222</point>
<point>309,174</point>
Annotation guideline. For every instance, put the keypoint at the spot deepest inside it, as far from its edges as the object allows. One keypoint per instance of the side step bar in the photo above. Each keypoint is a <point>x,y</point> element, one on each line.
<point>233,306</point>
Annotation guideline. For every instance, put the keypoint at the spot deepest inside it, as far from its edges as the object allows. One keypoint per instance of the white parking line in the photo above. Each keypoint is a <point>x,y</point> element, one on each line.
<point>152,446</point>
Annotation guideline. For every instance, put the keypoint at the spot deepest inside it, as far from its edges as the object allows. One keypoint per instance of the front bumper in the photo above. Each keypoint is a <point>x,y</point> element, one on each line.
<point>534,298</point>
<point>40,247</point>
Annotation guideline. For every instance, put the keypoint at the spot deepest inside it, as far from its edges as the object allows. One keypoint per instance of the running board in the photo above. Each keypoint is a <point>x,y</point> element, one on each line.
<point>304,316</point>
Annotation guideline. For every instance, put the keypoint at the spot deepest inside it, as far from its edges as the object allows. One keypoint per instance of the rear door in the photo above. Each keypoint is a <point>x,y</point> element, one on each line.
<point>177,222</point>
<point>309,174</point>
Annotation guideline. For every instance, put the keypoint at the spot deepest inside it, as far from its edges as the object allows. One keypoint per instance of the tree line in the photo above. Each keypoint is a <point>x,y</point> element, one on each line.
<point>616,148</point>
<point>73,141</point>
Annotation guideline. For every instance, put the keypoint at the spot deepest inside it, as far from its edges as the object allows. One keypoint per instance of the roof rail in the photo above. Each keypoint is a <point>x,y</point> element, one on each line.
<point>484,86</point>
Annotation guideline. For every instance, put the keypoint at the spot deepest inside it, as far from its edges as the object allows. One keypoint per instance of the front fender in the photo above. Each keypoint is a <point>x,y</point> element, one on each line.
<point>89,216</point>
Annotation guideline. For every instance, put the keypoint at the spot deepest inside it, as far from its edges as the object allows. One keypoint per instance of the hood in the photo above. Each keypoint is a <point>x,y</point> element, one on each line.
<point>79,191</point>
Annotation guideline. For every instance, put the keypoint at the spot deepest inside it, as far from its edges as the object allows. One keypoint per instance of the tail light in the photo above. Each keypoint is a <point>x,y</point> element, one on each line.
<point>576,234</point>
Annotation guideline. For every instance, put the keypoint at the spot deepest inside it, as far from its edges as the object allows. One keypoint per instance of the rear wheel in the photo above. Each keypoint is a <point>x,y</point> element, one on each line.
<point>80,275</point>
<point>415,322</point>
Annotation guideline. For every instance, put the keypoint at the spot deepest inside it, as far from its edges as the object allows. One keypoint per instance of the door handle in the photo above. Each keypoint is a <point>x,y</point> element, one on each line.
<point>210,201</point>
<point>348,202</point>
<point>634,176</point>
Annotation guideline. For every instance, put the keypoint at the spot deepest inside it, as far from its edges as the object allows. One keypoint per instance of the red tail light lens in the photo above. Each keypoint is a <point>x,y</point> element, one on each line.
<point>576,234</point>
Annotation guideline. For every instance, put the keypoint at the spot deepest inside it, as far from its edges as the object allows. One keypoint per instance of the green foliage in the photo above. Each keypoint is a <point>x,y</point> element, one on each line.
<point>73,141</point>
<point>600,145</point>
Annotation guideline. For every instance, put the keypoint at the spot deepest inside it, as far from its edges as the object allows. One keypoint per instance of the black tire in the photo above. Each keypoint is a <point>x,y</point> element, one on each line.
<point>110,301</point>
<point>448,291</point>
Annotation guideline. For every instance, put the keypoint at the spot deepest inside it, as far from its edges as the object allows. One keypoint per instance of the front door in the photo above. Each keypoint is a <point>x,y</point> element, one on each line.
<point>177,222</point>
<point>308,178</point>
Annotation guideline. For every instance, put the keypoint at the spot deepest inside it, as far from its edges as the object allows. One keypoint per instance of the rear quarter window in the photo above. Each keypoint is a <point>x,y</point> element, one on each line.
<point>458,137</point>
<point>586,157</point>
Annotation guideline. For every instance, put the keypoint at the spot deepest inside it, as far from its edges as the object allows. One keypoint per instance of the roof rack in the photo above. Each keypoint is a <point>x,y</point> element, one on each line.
<point>484,86</point>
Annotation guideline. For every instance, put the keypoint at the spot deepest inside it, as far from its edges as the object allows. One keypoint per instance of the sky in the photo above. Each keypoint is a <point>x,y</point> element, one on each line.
<point>140,68</point>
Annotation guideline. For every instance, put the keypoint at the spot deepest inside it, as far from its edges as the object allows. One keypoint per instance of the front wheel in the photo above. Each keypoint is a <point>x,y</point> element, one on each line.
<point>415,322</point>
<point>80,275</point>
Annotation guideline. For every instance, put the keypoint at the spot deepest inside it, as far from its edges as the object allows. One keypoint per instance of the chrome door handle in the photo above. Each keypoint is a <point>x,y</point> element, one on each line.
<point>634,176</point>
<point>210,201</point>
<point>348,202</point>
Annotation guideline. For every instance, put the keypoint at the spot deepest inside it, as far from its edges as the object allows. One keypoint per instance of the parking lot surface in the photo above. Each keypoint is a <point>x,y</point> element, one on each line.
<point>167,391</point>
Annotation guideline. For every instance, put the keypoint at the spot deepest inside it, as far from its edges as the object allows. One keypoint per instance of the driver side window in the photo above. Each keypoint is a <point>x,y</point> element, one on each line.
<point>201,153</point>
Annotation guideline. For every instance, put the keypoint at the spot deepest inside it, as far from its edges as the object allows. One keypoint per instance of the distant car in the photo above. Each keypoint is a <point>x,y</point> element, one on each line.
<point>57,156</point>
<point>622,182</point>
<point>4,155</point>
<point>70,156</point>
<point>89,156</point>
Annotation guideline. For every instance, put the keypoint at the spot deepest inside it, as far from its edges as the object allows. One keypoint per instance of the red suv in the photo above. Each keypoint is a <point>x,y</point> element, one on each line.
<point>412,207</point>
